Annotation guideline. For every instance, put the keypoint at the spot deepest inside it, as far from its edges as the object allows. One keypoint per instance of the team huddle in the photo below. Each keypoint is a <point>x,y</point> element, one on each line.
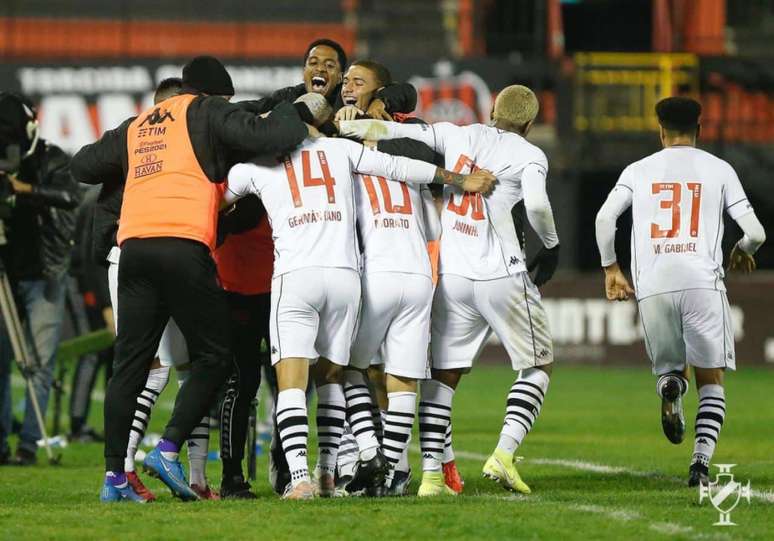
<point>390,253</point>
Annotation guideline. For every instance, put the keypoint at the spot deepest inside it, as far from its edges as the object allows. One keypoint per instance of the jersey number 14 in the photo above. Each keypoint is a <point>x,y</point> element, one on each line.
<point>673,204</point>
<point>327,180</point>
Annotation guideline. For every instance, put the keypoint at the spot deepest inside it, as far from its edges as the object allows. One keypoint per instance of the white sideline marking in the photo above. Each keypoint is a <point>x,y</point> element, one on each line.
<point>628,515</point>
<point>581,465</point>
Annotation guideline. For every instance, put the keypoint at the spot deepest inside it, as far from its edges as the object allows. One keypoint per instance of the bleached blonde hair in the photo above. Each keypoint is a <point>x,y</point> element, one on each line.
<point>516,104</point>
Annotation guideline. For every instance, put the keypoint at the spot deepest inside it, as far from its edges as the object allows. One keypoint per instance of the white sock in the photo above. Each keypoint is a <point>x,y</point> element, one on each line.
<point>524,402</point>
<point>359,416</point>
<point>709,421</point>
<point>154,385</point>
<point>293,425</point>
<point>434,416</point>
<point>198,448</point>
<point>399,420</point>
<point>331,413</point>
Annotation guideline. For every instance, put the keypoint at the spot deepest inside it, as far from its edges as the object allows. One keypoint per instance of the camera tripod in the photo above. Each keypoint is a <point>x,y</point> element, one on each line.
<point>27,364</point>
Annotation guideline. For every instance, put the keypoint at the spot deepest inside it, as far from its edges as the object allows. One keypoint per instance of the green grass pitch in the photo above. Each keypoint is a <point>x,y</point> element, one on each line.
<point>597,462</point>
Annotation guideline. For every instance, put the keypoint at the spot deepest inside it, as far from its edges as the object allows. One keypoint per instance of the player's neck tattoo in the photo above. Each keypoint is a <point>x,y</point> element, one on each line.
<point>442,176</point>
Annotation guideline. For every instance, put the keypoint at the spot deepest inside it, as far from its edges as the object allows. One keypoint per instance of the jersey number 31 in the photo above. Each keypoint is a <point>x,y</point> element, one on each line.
<point>673,204</point>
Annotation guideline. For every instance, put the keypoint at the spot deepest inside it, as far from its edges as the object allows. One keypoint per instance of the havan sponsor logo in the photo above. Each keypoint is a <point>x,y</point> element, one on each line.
<point>149,165</point>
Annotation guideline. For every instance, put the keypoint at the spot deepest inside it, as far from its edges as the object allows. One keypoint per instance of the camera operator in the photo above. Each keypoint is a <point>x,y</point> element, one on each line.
<point>37,201</point>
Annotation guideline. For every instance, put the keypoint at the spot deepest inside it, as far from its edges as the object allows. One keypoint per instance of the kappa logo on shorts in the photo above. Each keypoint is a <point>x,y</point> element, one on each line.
<point>273,349</point>
<point>542,353</point>
<point>514,260</point>
<point>301,453</point>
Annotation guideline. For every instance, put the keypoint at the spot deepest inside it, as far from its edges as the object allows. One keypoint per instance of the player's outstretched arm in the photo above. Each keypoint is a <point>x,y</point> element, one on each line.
<point>373,162</point>
<point>378,130</point>
<point>741,258</point>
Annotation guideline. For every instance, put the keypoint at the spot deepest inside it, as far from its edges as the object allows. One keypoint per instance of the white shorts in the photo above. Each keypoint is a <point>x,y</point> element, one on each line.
<point>691,326</point>
<point>466,312</point>
<point>314,313</point>
<point>395,314</point>
<point>173,351</point>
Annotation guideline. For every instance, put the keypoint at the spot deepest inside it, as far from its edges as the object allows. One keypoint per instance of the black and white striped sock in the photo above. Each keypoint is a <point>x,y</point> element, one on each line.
<point>709,421</point>
<point>434,417</point>
<point>348,453</point>
<point>157,380</point>
<point>377,416</point>
<point>448,450</point>
<point>523,407</point>
<point>397,427</point>
<point>331,413</point>
<point>359,415</point>
<point>293,427</point>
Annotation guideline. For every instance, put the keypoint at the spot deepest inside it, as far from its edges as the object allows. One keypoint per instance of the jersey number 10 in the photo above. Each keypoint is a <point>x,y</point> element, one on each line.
<point>384,187</point>
<point>327,180</point>
<point>673,204</point>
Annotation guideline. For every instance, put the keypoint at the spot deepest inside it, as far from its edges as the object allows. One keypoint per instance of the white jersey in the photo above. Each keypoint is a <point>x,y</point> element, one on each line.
<point>678,196</point>
<point>391,217</point>
<point>309,198</point>
<point>479,239</point>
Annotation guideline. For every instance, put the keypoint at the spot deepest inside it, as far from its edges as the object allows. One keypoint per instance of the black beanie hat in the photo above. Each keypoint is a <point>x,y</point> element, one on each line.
<point>14,115</point>
<point>207,74</point>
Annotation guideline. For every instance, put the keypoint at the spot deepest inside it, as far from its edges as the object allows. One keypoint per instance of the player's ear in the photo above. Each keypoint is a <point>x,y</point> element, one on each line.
<point>698,131</point>
<point>527,127</point>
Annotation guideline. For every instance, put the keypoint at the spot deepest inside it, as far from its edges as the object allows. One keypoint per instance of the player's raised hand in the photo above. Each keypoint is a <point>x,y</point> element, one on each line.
<point>741,261</point>
<point>371,130</point>
<point>348,112</point>
<point>378,110</point>
<point>480,181</point>
<point>617,287</point>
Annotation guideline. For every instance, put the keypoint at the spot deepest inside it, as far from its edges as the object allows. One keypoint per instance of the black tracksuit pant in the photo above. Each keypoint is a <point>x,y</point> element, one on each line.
<point>249,325</point>
<point>159,278</point>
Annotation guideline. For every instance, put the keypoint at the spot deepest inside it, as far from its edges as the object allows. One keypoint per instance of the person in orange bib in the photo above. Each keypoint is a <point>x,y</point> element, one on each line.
<point>172,157</point>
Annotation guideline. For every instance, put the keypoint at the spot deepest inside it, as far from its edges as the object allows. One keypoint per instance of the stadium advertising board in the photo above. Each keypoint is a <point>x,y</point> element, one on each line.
<point>77,102</point>
<point>587,328</point>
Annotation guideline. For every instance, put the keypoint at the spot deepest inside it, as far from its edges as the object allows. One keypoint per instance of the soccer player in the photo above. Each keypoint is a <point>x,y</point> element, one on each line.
<point>310,201</point>
<point>244,263</point>
<point>678,196</point>
<point>172,349</point>
<point>362,82</point>
<point>484,285</point>
<point>324,65</point>
<point>396,220</point>
<point>171,159</point>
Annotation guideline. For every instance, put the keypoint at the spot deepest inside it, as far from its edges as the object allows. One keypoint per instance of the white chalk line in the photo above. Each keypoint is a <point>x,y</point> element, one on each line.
<point>593,467</point>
